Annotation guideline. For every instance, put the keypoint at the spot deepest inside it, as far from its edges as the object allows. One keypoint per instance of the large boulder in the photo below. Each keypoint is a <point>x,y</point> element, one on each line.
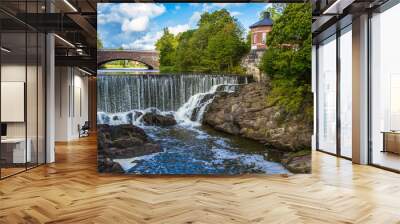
<point>246,113</point>
<point>121,141</point>
<point>155,119</point>
<point>295,162</point>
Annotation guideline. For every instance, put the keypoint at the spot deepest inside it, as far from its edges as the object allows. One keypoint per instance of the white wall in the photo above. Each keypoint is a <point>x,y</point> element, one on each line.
<point>71,102</point>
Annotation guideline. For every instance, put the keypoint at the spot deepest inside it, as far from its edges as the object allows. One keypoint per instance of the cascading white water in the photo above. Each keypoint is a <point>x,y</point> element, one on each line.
<point>189,114</point>
<point>131,117</point>
<point>121,93</point>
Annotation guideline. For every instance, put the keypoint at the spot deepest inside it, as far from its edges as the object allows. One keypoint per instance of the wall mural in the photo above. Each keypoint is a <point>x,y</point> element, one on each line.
<point>183,88</point>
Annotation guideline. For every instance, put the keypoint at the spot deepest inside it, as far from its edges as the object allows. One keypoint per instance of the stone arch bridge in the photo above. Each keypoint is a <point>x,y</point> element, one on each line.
<point>149,58</point>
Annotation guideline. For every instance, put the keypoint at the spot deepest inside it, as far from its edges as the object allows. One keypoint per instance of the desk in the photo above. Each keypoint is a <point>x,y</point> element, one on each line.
<point>15,148</point>
<point>391,141</point>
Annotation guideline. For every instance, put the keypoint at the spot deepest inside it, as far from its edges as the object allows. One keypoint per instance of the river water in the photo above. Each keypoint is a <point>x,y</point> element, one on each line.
<point>188,147</point>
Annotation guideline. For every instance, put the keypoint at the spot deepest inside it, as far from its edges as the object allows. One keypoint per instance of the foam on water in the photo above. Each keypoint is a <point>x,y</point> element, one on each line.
<point>129,163</point>
<point>256,161</point>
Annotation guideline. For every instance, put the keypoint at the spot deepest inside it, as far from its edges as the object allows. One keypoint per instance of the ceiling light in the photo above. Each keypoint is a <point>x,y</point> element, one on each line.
<point>86,72</point>
<point>5,50</point>
<point>79,51</point>
<point>70,5</point>
<point>64,40</point>
<point>337,7</point>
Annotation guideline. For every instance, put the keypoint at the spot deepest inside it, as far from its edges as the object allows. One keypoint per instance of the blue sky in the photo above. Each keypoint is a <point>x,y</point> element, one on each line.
<point>140,25</point>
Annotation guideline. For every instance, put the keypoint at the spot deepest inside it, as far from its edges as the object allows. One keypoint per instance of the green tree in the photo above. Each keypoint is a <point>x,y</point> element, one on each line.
<point>185,57</point>
<point>274,11</point>
<point>166,45</point>
<point>99,42</point>
<point>217,45</point>
<point>225,49</point>
<point>287,61</point>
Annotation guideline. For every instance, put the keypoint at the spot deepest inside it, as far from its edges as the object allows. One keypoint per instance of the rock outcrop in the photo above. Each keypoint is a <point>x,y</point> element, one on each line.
<point>251,64</point>
<point>154,119</point>
<point>246,113</point>
<point>296,162</point>
<point>119,142</point>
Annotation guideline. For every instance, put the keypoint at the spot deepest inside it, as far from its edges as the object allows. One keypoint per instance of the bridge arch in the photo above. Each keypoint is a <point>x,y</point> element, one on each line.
<point>129,59</point>
<point>149,58</point>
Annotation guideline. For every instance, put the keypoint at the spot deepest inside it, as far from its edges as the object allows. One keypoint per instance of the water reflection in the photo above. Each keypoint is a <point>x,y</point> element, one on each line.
<point>127,71</point>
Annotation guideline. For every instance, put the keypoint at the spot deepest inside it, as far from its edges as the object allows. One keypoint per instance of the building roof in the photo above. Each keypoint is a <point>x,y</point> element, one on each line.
<point>264,22</point>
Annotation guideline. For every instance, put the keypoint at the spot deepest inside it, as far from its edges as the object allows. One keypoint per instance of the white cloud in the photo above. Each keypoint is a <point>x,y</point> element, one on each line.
<point>210,7</point>
<point>147,42</point>
<point>194,18</point>
<point>141,9</point>
<point>177,7</point>
<point>178,28</point>
<point>135,25</point>
<point>224,5</point>
<point>207,7</point>
<point>235,13</point>
<point>131,17</point>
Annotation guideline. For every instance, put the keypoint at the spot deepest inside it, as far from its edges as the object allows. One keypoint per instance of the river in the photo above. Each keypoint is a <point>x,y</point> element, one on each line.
<point>188,147</point>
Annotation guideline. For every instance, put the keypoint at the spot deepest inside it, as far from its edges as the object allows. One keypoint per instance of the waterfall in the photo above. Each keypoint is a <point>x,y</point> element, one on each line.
<point>193,110</point>
<point>189,114</point>
<point>122,93</point>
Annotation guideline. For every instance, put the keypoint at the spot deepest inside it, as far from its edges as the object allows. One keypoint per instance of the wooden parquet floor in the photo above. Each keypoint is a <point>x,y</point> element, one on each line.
<point>71,191</point>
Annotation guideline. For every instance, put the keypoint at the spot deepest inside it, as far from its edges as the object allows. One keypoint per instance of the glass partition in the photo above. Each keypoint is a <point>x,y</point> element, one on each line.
<point>22,77</point>
<point>32,98</point>
<point>327,95</point>
<point>13,108</point>
<point>385,89</point>
<point>346,92</point>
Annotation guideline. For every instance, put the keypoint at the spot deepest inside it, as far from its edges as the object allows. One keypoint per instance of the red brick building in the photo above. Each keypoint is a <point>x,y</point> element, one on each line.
<point>259,32</point>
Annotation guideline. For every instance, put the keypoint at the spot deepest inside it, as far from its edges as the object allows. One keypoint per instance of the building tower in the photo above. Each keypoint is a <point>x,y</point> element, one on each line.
<point>258,33</point>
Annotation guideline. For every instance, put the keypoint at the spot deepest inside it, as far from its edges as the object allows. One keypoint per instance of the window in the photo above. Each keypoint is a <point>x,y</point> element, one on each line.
<point>385,89</point>
<point>327,95</point>
<point>346,92</point>
<point>264,38</point>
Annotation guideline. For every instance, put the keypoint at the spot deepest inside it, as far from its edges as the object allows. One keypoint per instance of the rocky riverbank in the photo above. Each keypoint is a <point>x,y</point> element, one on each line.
<point>247,113</point>
<point>120,142</point>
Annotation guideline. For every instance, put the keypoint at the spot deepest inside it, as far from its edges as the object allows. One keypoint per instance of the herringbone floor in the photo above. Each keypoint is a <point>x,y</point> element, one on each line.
<point>71,191</point>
